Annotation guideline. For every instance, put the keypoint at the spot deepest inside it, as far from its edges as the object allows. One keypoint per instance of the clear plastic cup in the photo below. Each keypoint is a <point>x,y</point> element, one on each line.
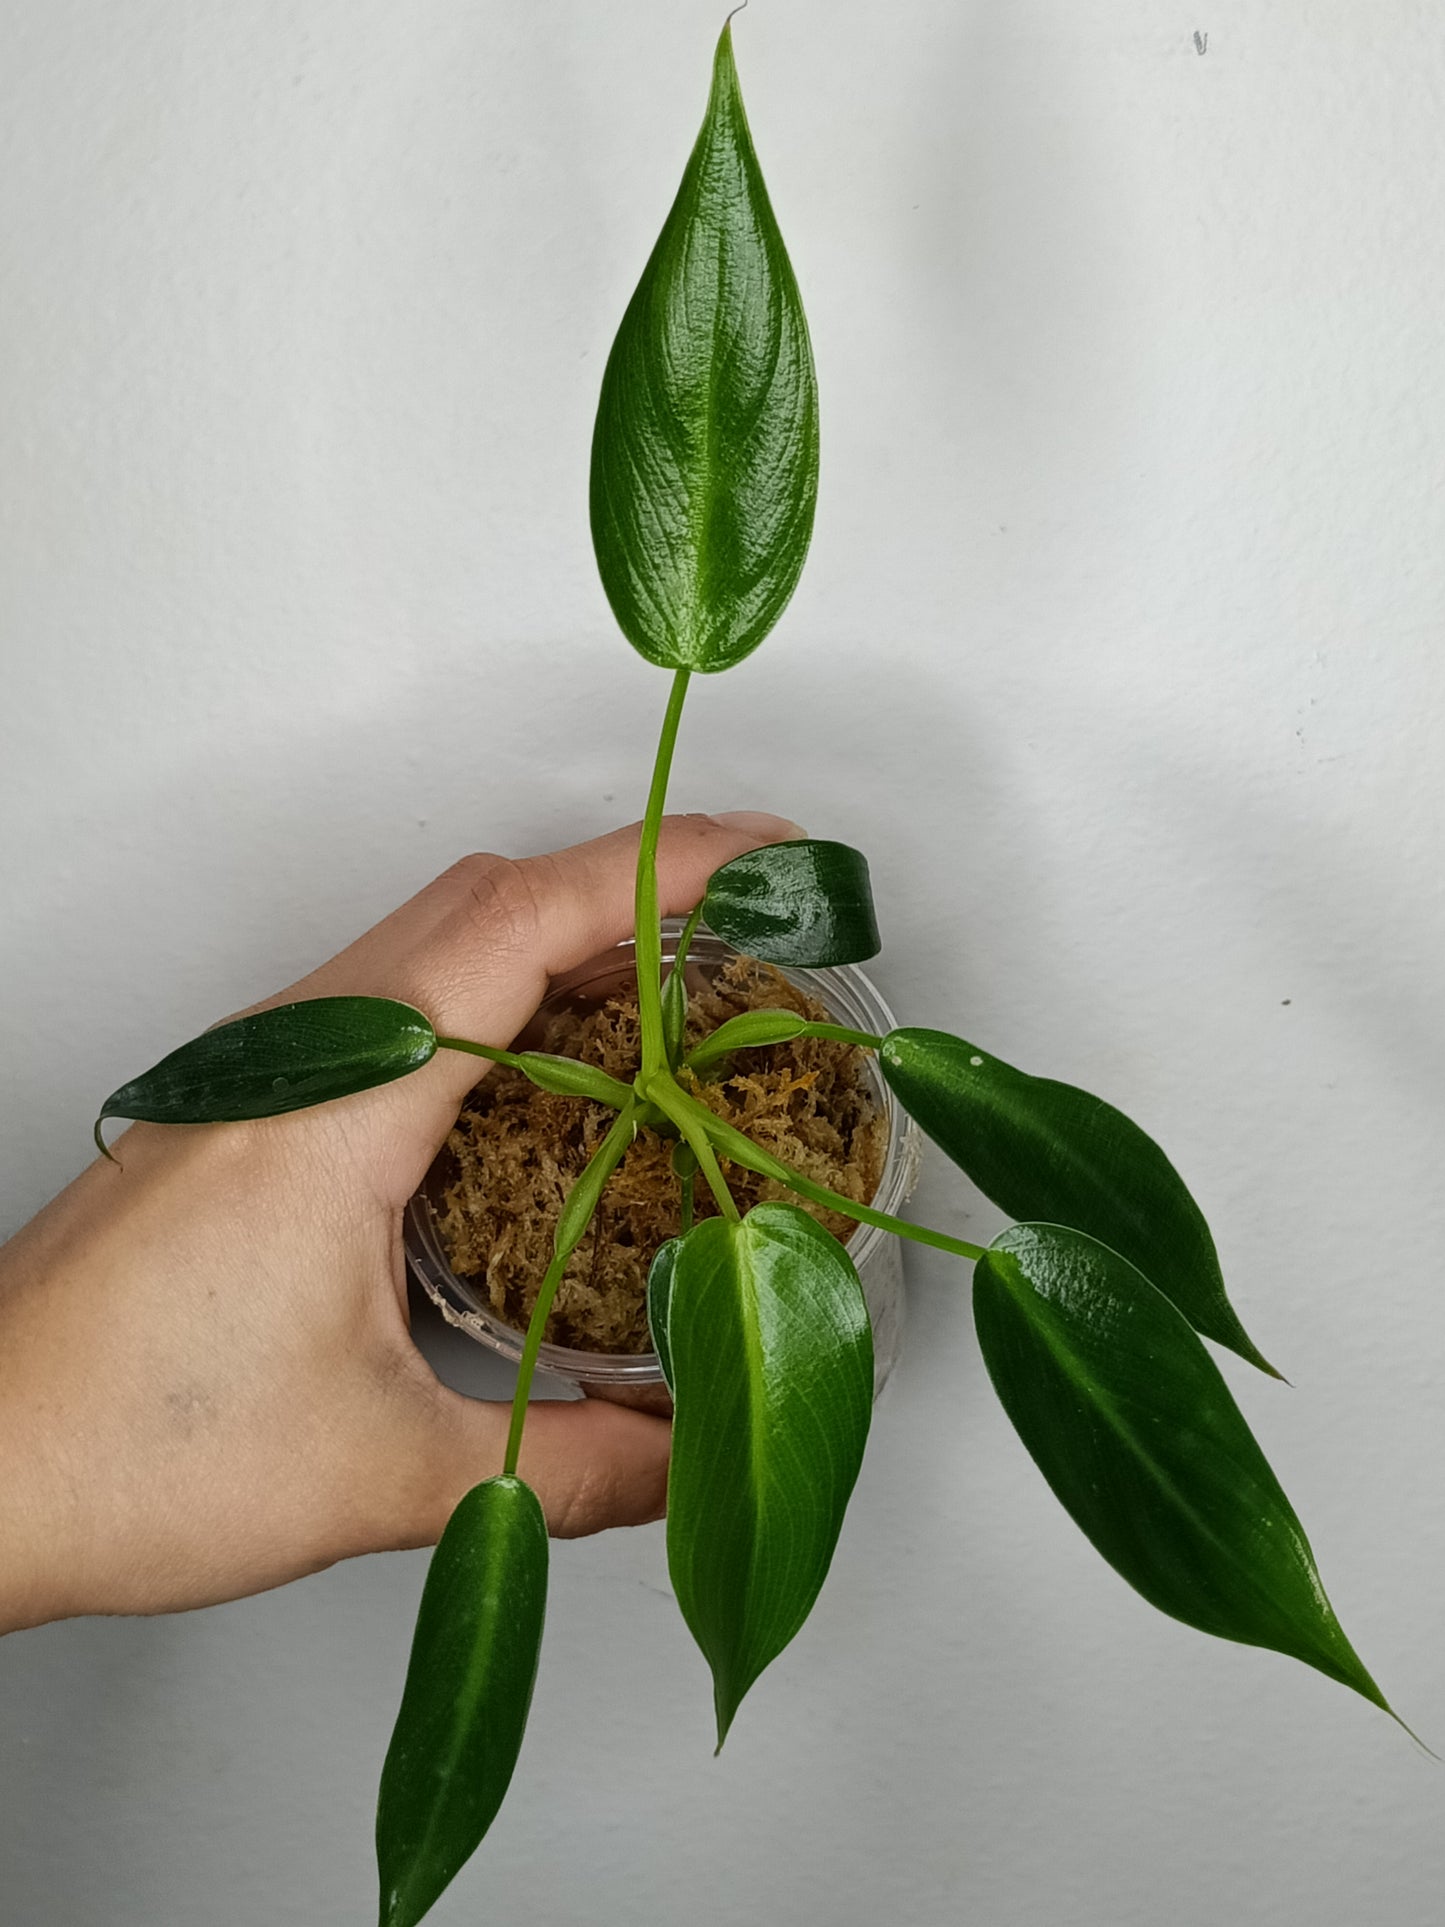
<point>635,1378</point>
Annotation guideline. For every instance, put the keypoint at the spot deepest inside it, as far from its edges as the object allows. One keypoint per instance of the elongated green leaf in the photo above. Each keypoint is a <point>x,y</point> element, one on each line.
<point>705,453</point>
<point>749,1030</point>
<point>580,1205</point>
<point>569,1077</point>
<point>1049,1152</point>
<point>279,1060</point>
<point>468,1690</point>
<point>1128,1418</point>
<point>806,902</point>
<point>659,1303</point>
<point>771,1360</point>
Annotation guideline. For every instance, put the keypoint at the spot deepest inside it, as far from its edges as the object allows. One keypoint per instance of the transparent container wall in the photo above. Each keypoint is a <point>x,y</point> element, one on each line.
<point>636,1378</point>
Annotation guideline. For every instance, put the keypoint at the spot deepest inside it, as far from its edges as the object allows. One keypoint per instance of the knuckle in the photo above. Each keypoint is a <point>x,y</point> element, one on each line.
<point>500,895</point>
<point>615,1481</point>
<point>588,1505</point>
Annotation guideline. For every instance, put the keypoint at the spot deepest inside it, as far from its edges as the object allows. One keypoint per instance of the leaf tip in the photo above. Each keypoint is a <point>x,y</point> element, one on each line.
<point>100,1143</point>
<point>1428,1751</point>
<point>1367,1689</point>
<point>1246,1348</point>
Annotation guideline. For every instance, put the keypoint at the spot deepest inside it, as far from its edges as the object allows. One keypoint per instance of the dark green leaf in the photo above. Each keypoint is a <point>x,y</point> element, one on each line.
<point>705,454</point>
<point>807,903</point>
<point>1048,1152</point>
<point>659,1300</point>
<point>468,1688</point>
<point>771,1362</point>
<point>1129,1420</point>
<point>279,1060</point>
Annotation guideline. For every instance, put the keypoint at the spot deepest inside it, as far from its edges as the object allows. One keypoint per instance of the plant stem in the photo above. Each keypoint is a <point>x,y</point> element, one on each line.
<point>840,1034</point>
<point>647,922</point>
<point>741,1150</point>
<point>489,1051</point>
<point>684,942</point>
<point>674,994</point>
<point>571,1226</point>
<point>865,1214</point>
<point>688,1116</point>
<point>686,1186</point>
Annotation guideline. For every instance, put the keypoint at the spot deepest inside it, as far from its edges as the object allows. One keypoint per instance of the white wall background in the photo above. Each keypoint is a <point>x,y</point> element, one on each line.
<point>1118,651</point>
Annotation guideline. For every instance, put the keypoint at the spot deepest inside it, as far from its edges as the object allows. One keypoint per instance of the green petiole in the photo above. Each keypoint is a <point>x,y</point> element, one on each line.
<point>688,1116</point>
<point>577,1213</point>
<point>674,994</point>
<point>648,920</point>
<point>684,1169</point>
<point>732,1144</point>
<point>840,1034</point>
<point>689,931</point>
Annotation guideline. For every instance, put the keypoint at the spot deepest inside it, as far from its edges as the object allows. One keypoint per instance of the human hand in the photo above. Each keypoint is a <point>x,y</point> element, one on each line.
<point>207,1382</point>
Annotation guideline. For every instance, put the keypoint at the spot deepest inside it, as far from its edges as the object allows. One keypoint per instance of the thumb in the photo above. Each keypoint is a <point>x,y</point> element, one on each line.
<point>591,1464</point>
<point>476,948</point>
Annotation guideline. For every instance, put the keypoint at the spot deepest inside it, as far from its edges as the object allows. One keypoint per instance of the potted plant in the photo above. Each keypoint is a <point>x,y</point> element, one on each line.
<point>476,1232</point>
<point>1091,1310</point>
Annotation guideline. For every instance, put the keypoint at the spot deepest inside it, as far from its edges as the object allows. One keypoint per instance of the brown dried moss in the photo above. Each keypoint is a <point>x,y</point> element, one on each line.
<point>516,1151</point>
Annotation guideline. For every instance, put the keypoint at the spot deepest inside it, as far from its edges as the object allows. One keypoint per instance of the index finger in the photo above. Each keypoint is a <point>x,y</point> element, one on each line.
<point>475,949</point>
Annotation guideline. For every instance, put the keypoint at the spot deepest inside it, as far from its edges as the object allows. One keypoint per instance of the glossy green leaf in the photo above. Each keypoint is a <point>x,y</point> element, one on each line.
<point>468,1689</point>
<point>749,1030</point>
<point>705,453</point>
<point>659,1303</point>
<point>1049,1152</point>
<point>771,1367</point>
<point>1128,1418</point>
<point>279,1060</point>
<point>806,902</point>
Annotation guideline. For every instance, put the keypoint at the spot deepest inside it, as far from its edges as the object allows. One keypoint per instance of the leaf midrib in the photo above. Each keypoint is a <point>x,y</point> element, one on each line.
<point>1119,1424</point>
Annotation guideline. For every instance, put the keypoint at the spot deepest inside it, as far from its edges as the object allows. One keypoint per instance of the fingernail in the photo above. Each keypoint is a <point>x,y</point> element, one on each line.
<point>756,823</point>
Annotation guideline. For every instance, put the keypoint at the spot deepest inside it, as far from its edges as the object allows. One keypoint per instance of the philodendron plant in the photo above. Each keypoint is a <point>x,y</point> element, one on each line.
<point>1091,1310</point>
